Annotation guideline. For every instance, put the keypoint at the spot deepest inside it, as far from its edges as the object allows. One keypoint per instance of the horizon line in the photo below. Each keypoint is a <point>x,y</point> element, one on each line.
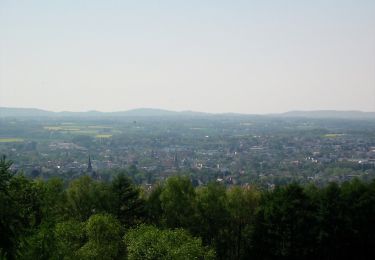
<point>186,110</point>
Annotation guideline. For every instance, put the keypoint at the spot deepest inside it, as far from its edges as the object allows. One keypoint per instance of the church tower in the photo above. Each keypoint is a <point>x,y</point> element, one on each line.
<point>89,166</point>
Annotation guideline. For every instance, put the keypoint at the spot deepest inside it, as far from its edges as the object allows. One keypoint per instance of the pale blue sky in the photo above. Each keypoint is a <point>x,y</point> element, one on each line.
<point>214,56</point>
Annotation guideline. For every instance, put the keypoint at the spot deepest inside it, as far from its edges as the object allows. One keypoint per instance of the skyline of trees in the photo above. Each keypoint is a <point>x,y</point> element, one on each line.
<point>90,219</point>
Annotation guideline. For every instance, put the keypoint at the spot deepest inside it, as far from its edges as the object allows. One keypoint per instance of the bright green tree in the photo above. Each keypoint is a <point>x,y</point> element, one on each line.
<point>104,235</point>
<point>178,203</point>
<point>148,242</point>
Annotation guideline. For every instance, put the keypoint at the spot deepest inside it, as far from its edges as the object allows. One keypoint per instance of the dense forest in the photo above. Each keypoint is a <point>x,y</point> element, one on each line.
<point>89,219</point>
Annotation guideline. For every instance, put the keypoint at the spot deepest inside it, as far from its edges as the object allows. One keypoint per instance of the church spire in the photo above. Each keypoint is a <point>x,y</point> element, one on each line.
<point>89,166</point>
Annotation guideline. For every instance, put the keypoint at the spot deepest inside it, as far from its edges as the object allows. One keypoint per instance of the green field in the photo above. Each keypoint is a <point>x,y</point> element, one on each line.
<point>11,140</point>
<point>99,127</point>
<point>333,135</point>
<point>53,128</point>
<point>63,128</point>
<point>98,131</point>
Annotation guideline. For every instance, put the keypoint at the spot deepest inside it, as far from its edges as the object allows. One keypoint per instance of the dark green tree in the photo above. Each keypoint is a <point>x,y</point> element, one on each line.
<point>332,221</point>
<point>153,207</point>
<point>285,225</point>
<point>242,206</point>
<point>126,205</point>
<point>10,220</point>
<point>86,197</point>
<point>214,217</point>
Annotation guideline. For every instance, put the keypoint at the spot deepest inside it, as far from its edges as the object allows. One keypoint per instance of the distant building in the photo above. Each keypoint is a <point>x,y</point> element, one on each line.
<point>90,171</point>
<point>176,162</point>
<point>89,166</point>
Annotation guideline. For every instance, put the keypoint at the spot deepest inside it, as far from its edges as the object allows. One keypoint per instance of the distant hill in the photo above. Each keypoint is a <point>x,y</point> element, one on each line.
<point>330,114</point>
<point>24,112</point>
<point>140,112</point>
<point>145,112</point>
<point>151,112</point>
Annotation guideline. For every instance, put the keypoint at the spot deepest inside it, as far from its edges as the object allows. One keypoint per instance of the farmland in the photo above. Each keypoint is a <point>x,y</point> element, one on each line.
<point>10,140</point>
<point>236,150</point>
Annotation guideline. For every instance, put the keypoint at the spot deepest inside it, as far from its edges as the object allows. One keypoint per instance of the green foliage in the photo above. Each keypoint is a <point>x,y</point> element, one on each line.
<point>69,237</point>
<point>242,206</point>
<point>127,205</point>
<point>285,224</point>
<point>10,219</point>
<point>212,210</point>
<point>153,206</point>
<point>178,202</point>
<point>148,242</point>
<point>54,199</point>
<point>214,216</point>
<point>5,173</point>
<point>100,237</point>
<point>86,197</point>
<point>346,217</point>
<point>44,220</point>
<point>40,244</point>
<point>28,196</point>
<point>104,238</point>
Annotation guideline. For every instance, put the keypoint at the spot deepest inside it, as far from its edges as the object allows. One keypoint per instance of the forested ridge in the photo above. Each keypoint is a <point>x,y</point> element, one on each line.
<point>89,219</point>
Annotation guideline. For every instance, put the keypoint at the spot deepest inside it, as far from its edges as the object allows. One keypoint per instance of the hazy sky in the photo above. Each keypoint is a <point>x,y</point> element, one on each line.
<point>215,56</point>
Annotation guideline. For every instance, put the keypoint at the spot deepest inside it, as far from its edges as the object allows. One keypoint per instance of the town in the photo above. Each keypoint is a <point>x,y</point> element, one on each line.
<point>234,150</point>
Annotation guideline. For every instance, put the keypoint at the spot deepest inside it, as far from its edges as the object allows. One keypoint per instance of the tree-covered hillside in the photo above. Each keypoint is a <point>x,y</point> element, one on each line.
<point>89,219</point>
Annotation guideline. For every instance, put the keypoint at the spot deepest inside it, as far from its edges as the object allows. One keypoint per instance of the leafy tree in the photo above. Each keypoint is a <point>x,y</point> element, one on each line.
<point>213,216</point>
<point>69,237</point>
<point>40,244</point>
<point>242,205</point>
<point>153,206</point>
<point>21,215</point>
<point>178,203</point>
<point>332,222</point>
<point>359,218</point>
<point>10,220</point>
<point>49,198</point>
<point>364,210</point>
<point>86,197</point>
<point>104,238</point>
<point>286,224</point>
<point>53,199</point>
<point>28,197</point>
<point>5,174</point>
<point>148,242</point>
